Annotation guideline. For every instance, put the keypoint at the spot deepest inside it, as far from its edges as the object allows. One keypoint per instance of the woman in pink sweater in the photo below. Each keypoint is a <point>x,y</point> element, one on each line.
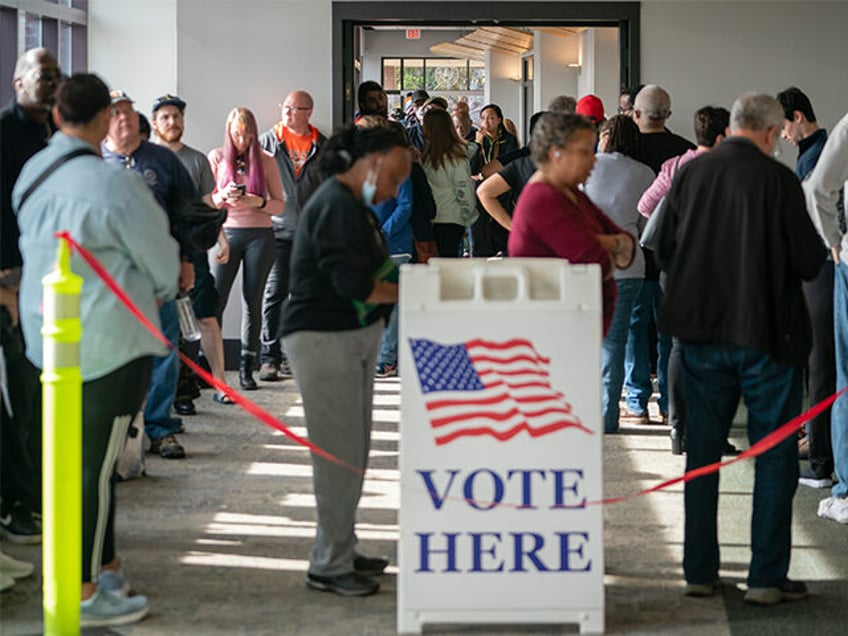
<point>248,184</point>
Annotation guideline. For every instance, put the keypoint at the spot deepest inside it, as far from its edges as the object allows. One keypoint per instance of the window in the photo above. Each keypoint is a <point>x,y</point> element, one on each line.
<point>58,25</point>
<point>451,78</point>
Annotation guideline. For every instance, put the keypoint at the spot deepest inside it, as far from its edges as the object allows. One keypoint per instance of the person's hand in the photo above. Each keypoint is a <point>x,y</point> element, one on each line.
<point>9,300</point>
<point>835,252</point>
<point>479,136</point>
<point>233,194</point>
<point>223,255</point>
<point>623,252</point>
<point>186,280</point>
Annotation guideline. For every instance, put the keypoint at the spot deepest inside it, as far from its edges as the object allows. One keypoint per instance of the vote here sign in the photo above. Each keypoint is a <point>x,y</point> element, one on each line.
<point>500,444</point>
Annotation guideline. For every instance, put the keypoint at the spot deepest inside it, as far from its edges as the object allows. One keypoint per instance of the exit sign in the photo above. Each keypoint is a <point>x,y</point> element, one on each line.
<point>413,34</point>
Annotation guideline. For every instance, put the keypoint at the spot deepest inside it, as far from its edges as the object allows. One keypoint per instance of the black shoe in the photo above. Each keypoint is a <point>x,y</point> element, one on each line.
<point>185,407</point>
<point>18,526</point>
<point>370,566</point>
<point>730,450</point>
<point>246,373</point>
<point>348,584</point>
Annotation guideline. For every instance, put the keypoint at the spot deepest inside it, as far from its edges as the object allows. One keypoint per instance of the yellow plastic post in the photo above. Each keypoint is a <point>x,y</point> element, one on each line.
<point>62,448</point>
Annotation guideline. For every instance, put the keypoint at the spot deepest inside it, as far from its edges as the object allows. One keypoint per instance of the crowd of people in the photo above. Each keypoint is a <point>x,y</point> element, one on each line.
<point>717,307</point>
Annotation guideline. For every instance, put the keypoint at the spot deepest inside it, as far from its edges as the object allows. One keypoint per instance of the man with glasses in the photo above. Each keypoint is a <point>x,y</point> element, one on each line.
<point>25,127</point>
<point>170,182</point>
<point>295,143</point>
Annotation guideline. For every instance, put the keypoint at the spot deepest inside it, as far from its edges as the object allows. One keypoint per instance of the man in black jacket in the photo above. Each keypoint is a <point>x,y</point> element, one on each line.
<point>295,143</point>
<point>736,242</point>
<point>25,127</point>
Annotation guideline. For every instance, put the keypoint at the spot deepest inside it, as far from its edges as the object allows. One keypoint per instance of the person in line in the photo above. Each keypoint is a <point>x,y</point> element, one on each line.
<point>446,163</point>
<point>615,186</point>
<point>710,125</point>
<point>247,183</point>
<point>341,294</point>
<point>801,129</point>
<point>295,144</point>
<point>171,184</point>
<point>564,104</point>
<point>372,100</point>
<point>652,108</point>
<point>107,210</point>
<point>26,125</point>
<point>494,141</point>
<point>499,192</point>
<point>735,209</point>
<point>824,189</point>
<point>395,218</point>
<point>553,218</point>
<point>592,107</point>
<point>169,124</point>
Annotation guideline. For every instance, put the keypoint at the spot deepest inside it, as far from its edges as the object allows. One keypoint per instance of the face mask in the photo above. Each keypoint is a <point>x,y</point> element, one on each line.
<point>369,186</point>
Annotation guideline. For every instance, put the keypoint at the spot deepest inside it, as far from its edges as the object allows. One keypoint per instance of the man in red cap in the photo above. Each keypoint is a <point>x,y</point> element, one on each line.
<point>592,107</point>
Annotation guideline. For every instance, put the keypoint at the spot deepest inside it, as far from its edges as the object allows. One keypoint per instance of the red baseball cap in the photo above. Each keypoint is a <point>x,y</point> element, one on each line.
<point>592,107</point>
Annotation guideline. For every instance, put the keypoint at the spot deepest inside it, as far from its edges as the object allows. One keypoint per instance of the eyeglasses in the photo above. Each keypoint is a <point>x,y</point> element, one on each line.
<point>47,76</point>
<point>295,108</point>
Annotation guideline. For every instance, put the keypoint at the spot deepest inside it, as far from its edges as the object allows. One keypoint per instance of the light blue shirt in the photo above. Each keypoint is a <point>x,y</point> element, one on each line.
<point>112,213</point>
<point>616,185</point>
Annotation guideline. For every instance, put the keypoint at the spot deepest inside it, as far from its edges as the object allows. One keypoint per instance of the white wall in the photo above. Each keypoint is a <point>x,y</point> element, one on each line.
<point>133,46</point>
<point>710,53</point>
<point>552,76</point>
<point>503,85</point>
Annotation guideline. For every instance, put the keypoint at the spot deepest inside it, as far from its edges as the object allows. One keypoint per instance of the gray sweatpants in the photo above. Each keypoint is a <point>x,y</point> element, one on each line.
<point>335,373</point>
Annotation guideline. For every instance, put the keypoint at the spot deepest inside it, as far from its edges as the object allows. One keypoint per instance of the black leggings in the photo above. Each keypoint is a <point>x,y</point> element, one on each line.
<point>109,405</point>
<point>254,249</point>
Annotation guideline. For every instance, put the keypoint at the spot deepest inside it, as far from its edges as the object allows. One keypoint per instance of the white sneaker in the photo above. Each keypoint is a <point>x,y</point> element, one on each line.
<point>14,568</point>
<point>6,582</point>
<point>835,508</point>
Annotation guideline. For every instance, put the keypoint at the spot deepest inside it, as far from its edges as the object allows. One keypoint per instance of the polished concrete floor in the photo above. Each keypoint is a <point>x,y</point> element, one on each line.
<point>219,541</point>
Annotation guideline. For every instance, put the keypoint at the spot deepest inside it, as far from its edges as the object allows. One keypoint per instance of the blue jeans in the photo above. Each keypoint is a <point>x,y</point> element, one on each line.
<point>713,378</point>
<point>389,343</point>
<point>615,342</point>
<point>637,360</point>
<point>158,421</point>
<point>839,413</point>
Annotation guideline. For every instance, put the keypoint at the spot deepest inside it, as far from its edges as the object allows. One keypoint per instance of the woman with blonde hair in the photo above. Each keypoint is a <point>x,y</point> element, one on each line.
<point>248,184</point>
<point>446,163</point>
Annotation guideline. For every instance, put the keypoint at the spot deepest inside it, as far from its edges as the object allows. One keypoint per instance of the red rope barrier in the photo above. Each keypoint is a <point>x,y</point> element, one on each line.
<point>769,441</point>
<point>249,406</point>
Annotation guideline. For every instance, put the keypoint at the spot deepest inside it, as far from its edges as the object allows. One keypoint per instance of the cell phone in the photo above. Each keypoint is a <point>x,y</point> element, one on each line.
<point>242,188</point>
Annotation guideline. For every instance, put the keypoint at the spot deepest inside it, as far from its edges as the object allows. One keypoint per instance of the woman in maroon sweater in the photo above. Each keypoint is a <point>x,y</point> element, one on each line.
<point>554,218</point>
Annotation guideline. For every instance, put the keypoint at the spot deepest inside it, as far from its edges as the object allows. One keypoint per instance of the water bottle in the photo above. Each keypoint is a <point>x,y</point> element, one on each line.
<point>189,327</point>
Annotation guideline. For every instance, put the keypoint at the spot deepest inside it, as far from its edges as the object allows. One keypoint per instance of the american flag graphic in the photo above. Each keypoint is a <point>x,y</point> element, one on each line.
<point>491,388</point>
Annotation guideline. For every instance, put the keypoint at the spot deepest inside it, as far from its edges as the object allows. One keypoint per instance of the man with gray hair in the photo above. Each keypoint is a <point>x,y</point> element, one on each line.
<point>736,224</point>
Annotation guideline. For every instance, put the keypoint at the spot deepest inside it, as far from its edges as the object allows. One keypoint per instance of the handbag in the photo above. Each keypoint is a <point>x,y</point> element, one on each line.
<point>195,224</point>
<point>648,238</point>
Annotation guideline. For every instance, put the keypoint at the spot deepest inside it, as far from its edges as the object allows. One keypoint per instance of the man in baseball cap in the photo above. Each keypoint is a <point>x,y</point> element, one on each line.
<point>592,107</point>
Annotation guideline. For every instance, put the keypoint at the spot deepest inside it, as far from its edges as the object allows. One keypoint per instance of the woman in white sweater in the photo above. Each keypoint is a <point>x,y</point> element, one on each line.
<point>446,164</point>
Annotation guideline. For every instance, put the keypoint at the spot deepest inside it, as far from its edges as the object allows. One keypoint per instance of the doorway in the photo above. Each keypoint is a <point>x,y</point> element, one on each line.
<point>350,17</point>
